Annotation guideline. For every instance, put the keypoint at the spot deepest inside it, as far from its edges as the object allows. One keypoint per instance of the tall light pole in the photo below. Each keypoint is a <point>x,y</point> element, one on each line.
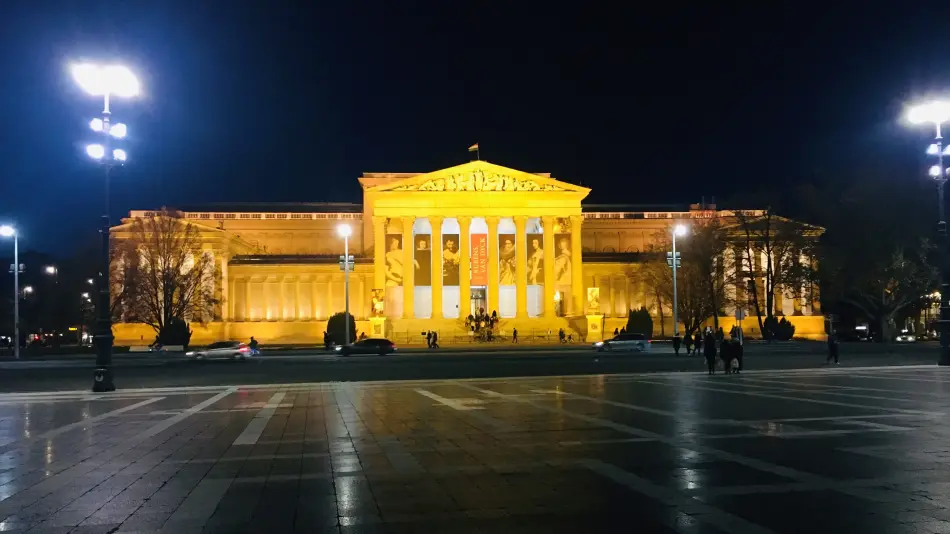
<point>9,231</point>
<point>678,230</point>
<point>345,231</point>
<point>937,113</point>
<point>105,81</point>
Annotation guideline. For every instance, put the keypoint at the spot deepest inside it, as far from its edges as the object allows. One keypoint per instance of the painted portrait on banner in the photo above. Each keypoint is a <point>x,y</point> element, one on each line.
<point>593,299</point>
<point>378,302</point>
<point>479,259</point>
<point>506,259</point>
<point>450,259</point>
<point>394,260</point>
<point>562,259</point>
<point>422,259</point>
<point>535,259</point>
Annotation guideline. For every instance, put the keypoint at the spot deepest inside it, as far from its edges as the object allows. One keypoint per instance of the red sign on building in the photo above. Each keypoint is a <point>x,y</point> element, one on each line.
<point>479,257</point>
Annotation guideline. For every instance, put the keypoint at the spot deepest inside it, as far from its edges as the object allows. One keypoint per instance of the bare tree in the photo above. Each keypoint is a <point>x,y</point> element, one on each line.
<point>778,244</point>
<point>160,273</point>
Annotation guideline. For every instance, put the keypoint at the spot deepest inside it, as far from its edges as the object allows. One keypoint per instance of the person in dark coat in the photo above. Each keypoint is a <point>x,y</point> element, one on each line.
<point>726,354</point>
<point>677,341</point>
<point>709,351</point>
<point>698,341</point>
<point>688,341</point>
<point>738,351</point>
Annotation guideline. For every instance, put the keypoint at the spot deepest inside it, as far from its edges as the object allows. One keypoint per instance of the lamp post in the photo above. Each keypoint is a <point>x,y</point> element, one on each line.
<point>937,113</point>
<point>345,231</point>
<point>678,230</point>
<point>9,231</point>
<point>105,81</point>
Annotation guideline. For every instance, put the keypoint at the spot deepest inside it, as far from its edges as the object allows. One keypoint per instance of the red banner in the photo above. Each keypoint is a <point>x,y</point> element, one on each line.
<point>479,259</point>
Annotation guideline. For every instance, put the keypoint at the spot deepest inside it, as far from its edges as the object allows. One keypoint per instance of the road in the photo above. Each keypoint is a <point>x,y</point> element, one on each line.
<point>304,366</point>
<point>842,450</point>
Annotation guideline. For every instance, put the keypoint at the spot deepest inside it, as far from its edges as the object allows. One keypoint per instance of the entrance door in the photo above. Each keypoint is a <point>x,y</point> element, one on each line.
<point>479,300</point>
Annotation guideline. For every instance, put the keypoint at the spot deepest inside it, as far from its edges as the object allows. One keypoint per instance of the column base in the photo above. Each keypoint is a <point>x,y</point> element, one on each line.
<point>595,328</point>
<point>378,327</point>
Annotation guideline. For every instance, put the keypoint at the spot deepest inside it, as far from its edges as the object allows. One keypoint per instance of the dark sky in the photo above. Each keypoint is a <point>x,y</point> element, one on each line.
<point>290,101</point>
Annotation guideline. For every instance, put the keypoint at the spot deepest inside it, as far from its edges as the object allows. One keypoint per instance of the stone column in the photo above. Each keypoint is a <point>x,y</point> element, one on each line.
<point>521,267</point>
<point>230,304</point>
<point>361,299</point>
<point>297,314</point>
<point>548,290</point>
<point>436,246</point>
<point>492,223</point>
<point>577,267</point>
<point>247,298</point>
<point>612,312</point>
<point>281,299</point>
<point>379,252</point>
<point>225,289</point>
<point>465,267</point>
<point>328,298</point>
<point>777,290</point>
<point>408,270</point>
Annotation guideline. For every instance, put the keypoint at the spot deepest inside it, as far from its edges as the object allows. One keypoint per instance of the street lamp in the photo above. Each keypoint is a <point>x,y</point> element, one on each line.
<point>27,290</point>
<point>9,231</point>
<point>678,231</point>
<point>344,231</point>
<point>937,113</point>
<point>105,81</point>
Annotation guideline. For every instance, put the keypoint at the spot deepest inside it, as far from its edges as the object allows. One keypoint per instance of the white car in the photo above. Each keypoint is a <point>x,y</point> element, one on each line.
<point>625,342</point>
<point>222,350</point>
<point>906,337</point>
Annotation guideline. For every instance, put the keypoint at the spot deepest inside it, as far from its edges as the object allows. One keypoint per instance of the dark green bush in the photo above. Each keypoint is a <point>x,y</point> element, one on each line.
<point>336,327</point>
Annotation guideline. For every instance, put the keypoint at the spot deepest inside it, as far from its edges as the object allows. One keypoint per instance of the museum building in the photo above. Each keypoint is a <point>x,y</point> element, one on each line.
<point>432,248</point>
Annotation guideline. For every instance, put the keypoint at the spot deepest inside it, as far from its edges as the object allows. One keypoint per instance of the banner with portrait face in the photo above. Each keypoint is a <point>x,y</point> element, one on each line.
<point>479,259</point>
<point>450,260</point>
<point>506,259</point>
<point>535,259</point>
<point>422,259</point>
<point>394,260</point>
<point>562,259</point>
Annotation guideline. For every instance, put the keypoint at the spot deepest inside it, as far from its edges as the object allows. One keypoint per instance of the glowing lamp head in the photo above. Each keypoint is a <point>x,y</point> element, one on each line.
<point>679,230</point>
<point>96,125</point>
<point>936,112</point>
<point>934,171</point>
<point>85,295</point>
<point>118,130</point>
<point>50,269</point>
<point>7,231</point>
<point>90,281</point>
<point>27,289</point>
<point>95,151</point>
<point>344,230</point>
<point>119,154</point>
<point>105,80</point>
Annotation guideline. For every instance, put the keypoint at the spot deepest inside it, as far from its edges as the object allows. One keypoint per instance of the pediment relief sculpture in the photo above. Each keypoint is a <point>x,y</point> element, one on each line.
<point>479,181</point>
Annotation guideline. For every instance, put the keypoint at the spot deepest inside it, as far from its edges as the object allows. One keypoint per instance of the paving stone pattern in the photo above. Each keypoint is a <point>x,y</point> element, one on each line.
<point>862,450</point>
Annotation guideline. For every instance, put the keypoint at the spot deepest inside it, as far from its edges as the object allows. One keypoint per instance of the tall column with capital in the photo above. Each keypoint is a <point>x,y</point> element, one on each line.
<point>492,223</point>
<point>436,223</point>
<point>548,290</point>
<point>408,270</point>
<point>577,268</point>
<point>521,267</point>
<point>379,252</point>
<point>465,267</point>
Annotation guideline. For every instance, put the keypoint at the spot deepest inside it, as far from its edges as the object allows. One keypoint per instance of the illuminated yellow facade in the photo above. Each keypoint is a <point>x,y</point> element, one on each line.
<point>516,243</point>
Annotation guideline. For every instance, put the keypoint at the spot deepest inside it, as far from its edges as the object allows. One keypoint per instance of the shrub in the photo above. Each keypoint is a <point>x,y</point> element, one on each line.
<point>336,327</point>
<point>640,322</point>
<point>779,330</point>
<point>176,332</point>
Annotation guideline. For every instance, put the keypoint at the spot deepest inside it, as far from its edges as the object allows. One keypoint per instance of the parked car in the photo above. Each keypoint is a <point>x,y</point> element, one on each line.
<point>368,346</point>
<point>625,342</point>
<point>222,350</point>
<point>906,337</point>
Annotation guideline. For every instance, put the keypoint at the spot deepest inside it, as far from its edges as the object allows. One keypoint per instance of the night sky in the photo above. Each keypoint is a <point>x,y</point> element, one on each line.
<point>290,101</point>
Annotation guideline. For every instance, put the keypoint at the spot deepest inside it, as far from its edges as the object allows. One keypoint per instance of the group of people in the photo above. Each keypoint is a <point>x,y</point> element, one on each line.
<point>432,339</point>
<point>714,347</point>
<point>482,324</point>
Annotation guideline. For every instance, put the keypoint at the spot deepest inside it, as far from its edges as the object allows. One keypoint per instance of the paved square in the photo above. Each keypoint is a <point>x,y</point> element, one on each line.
<point>832,450</point>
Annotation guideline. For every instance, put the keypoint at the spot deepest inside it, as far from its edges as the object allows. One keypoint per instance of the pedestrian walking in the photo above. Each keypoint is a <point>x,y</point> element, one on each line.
<point>434,343</point>
<point>514,335</point>
<point>677,341</point>
<point>688,341</point>
<point>616,332</point>
<point>709,351</point>
<point>832,348</point>
<point>725,355</point>
<point>698,341</point>
<point>561,336</point>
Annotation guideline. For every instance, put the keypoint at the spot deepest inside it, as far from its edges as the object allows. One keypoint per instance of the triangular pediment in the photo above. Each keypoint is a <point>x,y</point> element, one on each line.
<point>479,176</point>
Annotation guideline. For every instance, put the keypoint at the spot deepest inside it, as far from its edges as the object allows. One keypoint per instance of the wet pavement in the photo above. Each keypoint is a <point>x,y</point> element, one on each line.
<point>829,450</point>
